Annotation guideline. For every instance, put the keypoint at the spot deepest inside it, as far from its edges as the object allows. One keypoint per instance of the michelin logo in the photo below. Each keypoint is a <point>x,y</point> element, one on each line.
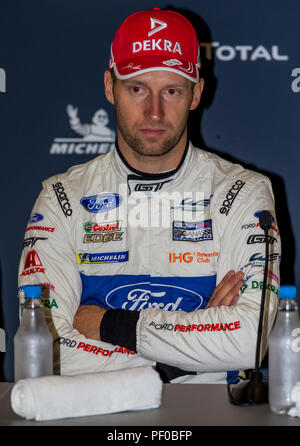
<point>95,138</point>
<point>105,257</point>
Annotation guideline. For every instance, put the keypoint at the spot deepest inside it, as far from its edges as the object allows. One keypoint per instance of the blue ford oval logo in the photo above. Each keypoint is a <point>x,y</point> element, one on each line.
<point>34,218</point>
<point>101,203</point>
<point>138,296</point>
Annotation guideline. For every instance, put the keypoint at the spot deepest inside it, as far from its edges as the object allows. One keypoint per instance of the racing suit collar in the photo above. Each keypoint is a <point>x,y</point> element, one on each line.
<point>153,176</point>
<point>149,182</point>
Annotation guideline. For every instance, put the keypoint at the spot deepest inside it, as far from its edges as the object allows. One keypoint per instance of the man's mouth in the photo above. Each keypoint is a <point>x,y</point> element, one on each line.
<point>152,133</point>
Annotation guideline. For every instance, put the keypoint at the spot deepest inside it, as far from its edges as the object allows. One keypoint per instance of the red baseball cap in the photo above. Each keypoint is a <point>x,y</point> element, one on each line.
<point>155,40</point>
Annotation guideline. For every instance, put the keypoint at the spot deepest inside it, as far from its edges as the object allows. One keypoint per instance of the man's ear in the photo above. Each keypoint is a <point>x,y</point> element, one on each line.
<point>197,93</point>
<point>108,87</point>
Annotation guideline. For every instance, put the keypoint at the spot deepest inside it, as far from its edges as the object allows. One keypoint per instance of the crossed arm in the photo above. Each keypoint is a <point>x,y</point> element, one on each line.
<point>88,318</point>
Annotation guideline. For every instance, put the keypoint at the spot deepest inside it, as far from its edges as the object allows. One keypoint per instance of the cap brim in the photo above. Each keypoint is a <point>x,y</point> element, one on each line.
<point>145,64</point>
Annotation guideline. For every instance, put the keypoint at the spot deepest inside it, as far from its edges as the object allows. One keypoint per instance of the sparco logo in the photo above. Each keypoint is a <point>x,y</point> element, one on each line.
<point>167,297</point>
<point>62,199</point>
<point>231,196</point>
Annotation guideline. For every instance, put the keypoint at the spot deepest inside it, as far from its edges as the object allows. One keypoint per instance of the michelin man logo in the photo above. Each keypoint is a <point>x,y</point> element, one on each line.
<point>91,132</point>
<point>96,138</point>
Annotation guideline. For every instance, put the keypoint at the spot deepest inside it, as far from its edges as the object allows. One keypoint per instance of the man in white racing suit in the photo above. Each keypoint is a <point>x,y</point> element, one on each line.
<point>152,254</point>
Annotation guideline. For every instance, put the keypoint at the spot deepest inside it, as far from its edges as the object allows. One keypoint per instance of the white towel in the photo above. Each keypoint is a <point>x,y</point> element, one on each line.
<point>54,397</point>
<point>295,397</point>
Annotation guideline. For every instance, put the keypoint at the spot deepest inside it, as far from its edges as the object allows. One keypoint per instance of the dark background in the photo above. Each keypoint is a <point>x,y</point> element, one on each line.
<point>54,53</point>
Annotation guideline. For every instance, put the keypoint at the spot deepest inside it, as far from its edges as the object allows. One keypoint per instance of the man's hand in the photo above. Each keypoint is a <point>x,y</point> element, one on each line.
<point>227,292</point>
<point>88,319</point>
<point>72,112</point>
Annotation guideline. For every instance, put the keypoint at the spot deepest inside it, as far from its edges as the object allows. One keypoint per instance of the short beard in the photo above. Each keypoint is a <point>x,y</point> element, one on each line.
<point>136,144</point>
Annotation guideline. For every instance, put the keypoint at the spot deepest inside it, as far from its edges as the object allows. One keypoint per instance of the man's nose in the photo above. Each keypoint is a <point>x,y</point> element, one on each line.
<point>155,109</point>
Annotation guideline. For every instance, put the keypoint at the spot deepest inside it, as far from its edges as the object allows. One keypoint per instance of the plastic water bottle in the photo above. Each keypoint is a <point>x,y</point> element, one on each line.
<point>284,352</point>
<point>33,343</point>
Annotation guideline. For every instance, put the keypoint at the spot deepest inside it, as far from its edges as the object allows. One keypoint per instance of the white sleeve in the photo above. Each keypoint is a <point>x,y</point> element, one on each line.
<point>222,338</point>
<point>49,258</point>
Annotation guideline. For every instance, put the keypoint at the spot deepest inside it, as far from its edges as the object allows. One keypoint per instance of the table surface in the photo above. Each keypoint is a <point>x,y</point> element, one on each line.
<point>182,405</point>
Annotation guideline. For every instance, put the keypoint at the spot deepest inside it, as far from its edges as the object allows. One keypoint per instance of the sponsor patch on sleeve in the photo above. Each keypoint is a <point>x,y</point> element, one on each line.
<point>192,231</point>
<point>105,257</point>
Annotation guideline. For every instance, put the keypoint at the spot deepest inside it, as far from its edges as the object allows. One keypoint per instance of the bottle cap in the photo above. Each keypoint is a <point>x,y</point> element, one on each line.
<point>32,291</point>
<point>287,292</point>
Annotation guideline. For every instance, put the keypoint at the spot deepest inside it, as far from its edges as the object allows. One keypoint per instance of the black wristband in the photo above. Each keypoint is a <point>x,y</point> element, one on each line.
<point>169,372</point>
<point>118,327</point>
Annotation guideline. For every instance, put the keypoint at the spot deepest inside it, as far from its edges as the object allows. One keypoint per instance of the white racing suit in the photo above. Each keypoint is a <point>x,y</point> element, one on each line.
<point>103,233</point>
